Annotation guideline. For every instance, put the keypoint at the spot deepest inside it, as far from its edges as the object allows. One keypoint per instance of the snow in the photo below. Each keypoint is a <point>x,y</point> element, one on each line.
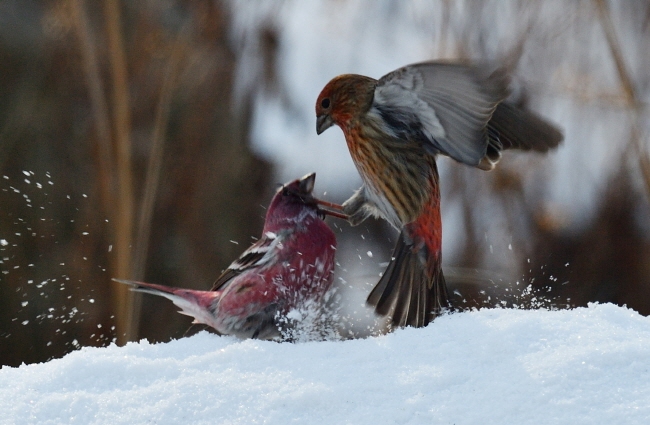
<point>583,366</point>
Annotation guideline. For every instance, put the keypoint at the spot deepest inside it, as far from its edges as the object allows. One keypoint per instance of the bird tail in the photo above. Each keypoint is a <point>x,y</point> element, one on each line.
<point>193,303</point>
<point>515,128</point>
<point>416,293</point>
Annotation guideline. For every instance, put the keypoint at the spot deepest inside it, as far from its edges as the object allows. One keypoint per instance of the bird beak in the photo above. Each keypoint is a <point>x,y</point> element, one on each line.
<point>306,183</point>
<point>306,187</point>
<point>323,122</point>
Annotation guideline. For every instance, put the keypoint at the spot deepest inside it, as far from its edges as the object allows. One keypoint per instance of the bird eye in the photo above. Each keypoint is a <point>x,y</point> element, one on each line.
<point>325,103</point>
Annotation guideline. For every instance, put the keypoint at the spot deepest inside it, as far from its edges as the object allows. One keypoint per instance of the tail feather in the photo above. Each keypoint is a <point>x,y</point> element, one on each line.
<point>193,303</point>
<point>405,297</point>
<point>441,297</point>
<point>418,304</point>
<point>384,294</point>
<point>407,289</point>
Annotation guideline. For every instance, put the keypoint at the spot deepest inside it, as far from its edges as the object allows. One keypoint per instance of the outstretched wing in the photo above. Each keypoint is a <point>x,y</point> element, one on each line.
<point>443,105</point>
<point>257,255</point>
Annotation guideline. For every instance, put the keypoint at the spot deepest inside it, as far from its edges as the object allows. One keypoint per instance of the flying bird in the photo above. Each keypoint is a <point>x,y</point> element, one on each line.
<point>288,268</point>
<point>394,128</point>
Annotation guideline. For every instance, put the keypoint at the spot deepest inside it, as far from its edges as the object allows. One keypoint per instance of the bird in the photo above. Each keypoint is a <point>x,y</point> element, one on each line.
<point>395,127</point>
<point>289,267</point>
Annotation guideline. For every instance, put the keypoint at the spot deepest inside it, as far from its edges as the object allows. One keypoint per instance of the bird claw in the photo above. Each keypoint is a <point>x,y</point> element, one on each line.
<point>357,218</point>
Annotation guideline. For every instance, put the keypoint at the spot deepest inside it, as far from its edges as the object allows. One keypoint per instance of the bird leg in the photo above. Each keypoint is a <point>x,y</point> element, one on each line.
<point>335,211</point>
<point>335,214</point>
<point>357,207</point>
<point>328,204</point>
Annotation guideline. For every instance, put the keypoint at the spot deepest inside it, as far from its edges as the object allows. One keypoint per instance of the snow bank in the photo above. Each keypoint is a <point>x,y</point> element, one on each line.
<point>588,365</point>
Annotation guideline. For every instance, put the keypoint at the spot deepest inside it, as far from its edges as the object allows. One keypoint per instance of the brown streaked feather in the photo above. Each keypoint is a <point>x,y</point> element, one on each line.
<point>399,170</point>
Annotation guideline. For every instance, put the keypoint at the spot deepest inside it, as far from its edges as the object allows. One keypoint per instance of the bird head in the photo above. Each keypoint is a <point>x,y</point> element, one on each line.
<point>342,99</point>
<point>293,202</point>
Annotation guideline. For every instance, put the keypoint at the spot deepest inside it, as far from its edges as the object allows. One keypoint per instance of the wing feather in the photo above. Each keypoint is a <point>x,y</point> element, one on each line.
<point>449,104</point>
<point>257,255</point>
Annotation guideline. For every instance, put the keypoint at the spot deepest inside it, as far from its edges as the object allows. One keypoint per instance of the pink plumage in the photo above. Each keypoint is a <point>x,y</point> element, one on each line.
<point>288,268</point>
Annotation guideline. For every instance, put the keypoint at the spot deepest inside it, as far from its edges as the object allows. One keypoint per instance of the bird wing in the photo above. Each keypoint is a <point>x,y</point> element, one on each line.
<point>445,106</point>
<point>257,255</point>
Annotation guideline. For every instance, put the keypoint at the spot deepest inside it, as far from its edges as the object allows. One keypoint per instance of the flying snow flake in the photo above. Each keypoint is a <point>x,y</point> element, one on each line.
<point>3,242</point>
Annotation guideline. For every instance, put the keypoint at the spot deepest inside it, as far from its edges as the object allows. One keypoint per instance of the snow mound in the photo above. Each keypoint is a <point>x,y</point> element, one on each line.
<point>583,366</point>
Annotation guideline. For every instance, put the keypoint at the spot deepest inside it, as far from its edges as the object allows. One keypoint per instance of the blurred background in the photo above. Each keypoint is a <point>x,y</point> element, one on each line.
<point>143,140</point>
